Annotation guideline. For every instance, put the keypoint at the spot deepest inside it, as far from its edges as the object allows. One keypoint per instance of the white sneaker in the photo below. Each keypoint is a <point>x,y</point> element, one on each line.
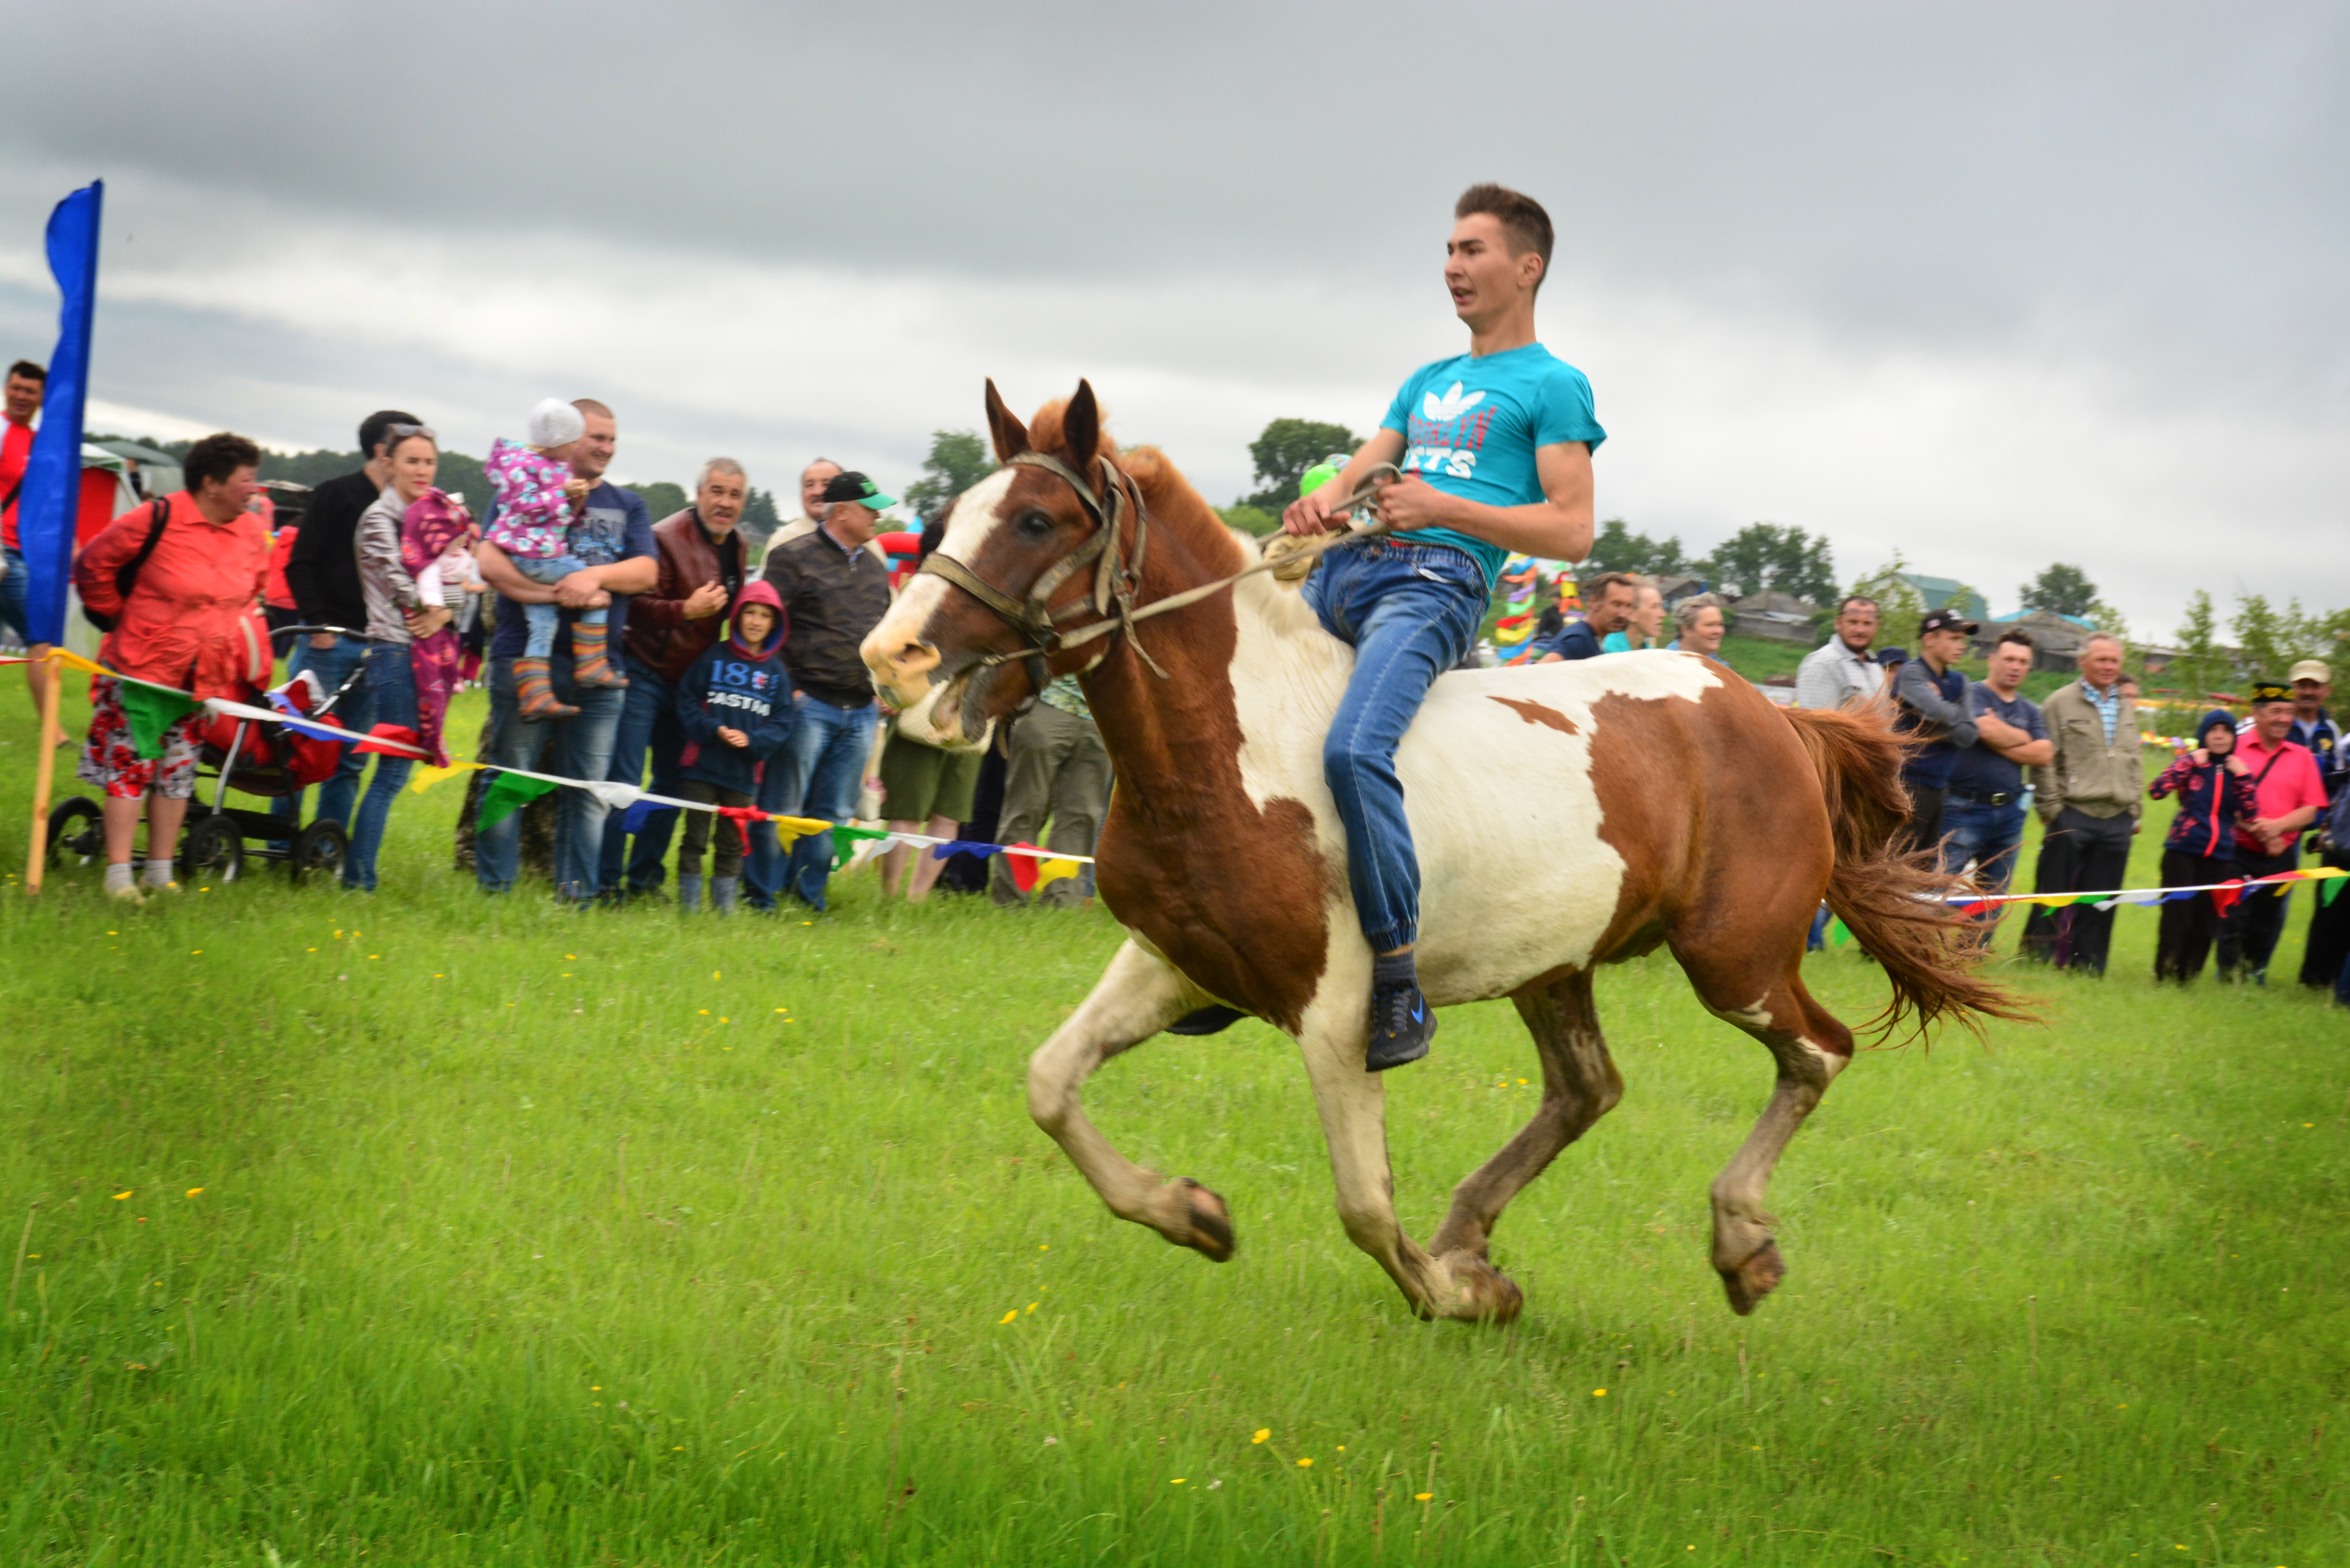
<point>129,895</point>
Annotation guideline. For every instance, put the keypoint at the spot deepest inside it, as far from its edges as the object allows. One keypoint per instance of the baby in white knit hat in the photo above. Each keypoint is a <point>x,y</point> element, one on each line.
<point>538,500</point>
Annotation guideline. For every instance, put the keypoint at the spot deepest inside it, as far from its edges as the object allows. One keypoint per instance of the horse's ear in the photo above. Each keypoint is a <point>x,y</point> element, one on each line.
<point>1010,435</point>
<point>1081,428</point>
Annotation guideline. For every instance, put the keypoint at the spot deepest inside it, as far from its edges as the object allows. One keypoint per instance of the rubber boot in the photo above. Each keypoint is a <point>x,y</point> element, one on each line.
<point>689,893</point>
<point>721,893</point>
<point>591,660</point>
<point>534,693</point>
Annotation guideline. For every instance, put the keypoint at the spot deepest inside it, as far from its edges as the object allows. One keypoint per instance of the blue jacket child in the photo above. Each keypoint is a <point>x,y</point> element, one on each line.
<point>2213,799</point>
<point>741,687</point>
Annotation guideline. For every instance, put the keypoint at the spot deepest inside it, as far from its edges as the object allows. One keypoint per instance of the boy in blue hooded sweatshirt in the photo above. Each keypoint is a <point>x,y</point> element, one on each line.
<point>734,704</point>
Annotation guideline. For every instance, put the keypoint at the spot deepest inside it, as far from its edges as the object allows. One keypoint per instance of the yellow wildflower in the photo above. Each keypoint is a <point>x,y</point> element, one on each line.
<point>120,1196</point>
<point>1306,1464</point>
<point>1421,1496</point>
<point>194,1190</point>
<point>1599,1393</point>
<point>1007,1317</point>
<point>1261,1434</point>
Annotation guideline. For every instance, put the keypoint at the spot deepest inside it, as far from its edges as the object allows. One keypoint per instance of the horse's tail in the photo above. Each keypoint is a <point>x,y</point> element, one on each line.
<point>1893,902</point>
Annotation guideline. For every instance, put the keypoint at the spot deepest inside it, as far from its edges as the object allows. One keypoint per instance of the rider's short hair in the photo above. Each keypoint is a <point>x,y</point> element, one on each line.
<point>2021,637</point>
<point>1523,219</point>
<point>29,371</point>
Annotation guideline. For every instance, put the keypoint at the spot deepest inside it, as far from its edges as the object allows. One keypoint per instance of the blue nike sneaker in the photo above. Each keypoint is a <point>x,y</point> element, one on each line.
<point>1402,1023</point>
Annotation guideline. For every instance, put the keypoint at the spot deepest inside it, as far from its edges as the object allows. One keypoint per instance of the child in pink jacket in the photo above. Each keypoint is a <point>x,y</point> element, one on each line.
<point>537,497</point>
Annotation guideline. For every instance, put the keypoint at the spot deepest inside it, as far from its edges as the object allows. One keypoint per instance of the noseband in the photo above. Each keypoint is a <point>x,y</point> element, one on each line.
<point>1115,577</point>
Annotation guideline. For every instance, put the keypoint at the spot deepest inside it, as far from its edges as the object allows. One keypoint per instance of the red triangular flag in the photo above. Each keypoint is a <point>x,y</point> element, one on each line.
<point>1024,867</point>
<point>400,735</point>
<point>2223,899</point>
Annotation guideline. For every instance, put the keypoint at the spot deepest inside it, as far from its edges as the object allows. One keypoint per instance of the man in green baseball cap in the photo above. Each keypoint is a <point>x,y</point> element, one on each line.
<point>835,591</point>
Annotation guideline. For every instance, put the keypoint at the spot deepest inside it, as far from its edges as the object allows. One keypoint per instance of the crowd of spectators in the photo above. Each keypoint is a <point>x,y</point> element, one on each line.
<point>661,656</point>
<point>2250,790</point>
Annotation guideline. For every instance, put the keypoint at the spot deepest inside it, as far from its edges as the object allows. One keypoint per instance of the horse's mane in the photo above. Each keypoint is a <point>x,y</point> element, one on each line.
<point>1176,506</point>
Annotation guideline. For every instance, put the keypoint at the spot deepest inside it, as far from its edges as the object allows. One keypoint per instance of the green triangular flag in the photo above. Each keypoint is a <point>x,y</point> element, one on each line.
<point>507,793</point>
<point>844,839</point>
<point>1837,933</point>
<point>150,711</point>
<point>2327,889</point>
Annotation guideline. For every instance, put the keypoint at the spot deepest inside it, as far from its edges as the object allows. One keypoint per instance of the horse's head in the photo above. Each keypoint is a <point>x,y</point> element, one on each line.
<point>1022,560</point>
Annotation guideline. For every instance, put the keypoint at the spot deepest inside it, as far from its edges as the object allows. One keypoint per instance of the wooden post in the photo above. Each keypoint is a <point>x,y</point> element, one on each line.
<point>37,858</point>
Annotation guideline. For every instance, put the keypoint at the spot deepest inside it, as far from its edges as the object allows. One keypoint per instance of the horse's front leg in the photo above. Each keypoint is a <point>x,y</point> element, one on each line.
<point>1354,1123</point>
<point>1137,996</point>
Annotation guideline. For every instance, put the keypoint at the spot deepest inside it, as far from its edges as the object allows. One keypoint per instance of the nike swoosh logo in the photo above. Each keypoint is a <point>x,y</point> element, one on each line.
<point>1419,1009</point>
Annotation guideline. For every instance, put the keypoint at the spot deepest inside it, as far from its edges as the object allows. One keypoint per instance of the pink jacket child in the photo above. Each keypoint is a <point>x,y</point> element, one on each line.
<point>537,497</point>
<point>433,522</point>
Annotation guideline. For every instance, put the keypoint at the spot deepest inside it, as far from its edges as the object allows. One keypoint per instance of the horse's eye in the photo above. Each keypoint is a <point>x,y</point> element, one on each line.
<point>1034,524</point>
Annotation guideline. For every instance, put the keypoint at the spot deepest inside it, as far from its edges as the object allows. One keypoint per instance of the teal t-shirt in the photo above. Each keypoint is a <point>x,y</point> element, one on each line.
<point>1471,425</point>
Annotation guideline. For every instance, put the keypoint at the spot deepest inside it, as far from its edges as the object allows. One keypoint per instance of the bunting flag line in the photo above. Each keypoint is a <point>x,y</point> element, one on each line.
<point>2223,893</point>
<point>151,711</point>
<point>509,793</point>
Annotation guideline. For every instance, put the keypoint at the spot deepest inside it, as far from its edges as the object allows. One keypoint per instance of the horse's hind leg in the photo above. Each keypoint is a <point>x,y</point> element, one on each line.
<point>1810,1048</point>
<point>1137,996</point>
<point>1580,1085</point>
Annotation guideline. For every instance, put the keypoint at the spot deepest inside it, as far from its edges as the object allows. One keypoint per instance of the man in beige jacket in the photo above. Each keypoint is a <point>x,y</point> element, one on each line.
<point>2088,797</point>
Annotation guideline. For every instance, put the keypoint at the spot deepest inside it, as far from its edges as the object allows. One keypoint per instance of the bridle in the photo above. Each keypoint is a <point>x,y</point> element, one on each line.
<point>1115,578</point>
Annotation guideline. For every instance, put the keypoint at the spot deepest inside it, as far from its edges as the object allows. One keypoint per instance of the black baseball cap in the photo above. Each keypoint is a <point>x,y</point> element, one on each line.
<point>1946,620</point>
<point>854,486</point>
<point>1892,658</point>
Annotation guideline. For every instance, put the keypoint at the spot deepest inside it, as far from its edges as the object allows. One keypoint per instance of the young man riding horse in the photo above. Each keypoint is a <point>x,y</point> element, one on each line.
<point>1495,447</point>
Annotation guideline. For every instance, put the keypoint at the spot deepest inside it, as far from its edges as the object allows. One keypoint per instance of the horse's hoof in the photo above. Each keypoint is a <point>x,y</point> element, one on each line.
<point>1757,1277</point>
<point>1207,1224</point>
<point>1477,1291</point>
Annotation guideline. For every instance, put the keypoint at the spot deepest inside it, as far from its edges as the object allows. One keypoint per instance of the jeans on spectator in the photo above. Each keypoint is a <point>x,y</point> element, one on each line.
<point>2249,931</point>
<point>648,723</point>
<point>2080,853</point>
<point>816,773</point>
<point>1410,612</point>
<point>1989,835</point>
<point>1059,772</point>
<point>391,699</point>
<point>16,590</point>
<point>333,666</point>
<point>541,623</point>
<point>578,748</point>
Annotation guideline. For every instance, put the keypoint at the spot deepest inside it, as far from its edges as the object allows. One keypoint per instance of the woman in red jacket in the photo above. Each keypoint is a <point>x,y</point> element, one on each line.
<point>189,618</point>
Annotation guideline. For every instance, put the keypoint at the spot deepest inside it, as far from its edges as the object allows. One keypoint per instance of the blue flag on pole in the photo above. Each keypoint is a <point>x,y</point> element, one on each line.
<point>51,497</point>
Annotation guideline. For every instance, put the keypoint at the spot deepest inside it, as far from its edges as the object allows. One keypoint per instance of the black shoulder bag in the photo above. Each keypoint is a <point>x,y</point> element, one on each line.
<point>126,576</point>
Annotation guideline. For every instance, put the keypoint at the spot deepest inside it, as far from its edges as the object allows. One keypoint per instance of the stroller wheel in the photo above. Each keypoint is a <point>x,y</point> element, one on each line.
<point>319,850</point>
<point>214,849</point>
<point>77,831</point>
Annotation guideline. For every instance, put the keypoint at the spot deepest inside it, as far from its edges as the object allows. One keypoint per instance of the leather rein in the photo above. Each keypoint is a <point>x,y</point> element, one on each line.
<point>1115,578</point>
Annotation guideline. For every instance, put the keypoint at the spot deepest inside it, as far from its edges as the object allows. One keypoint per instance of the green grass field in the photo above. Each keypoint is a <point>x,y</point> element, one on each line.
<point>431,1230</point>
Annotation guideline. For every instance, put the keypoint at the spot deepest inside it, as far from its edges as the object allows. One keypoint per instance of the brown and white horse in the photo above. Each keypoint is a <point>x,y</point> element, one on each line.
<point>1566,815</point>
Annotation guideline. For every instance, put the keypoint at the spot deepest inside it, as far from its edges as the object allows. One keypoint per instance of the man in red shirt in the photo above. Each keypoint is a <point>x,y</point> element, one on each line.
<point>21,400</point>
<point>2288,794</point>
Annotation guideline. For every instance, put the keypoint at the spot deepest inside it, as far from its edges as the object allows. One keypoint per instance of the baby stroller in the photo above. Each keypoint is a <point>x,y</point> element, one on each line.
<point>273,760</point>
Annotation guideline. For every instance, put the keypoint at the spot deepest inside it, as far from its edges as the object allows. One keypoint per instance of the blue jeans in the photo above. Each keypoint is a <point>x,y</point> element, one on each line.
<point>816,773</point>
<point>391,699</point>
<point>542,622</point>
<point>647,722</point>
<point>15,588</point>
<point>334,665</point>
<point>1989,835</point>
<point>578,748</point>
<point>1412,613</point>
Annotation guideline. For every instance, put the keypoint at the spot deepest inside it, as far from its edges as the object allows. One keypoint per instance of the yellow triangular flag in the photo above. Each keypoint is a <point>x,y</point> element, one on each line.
<point>425,776</point>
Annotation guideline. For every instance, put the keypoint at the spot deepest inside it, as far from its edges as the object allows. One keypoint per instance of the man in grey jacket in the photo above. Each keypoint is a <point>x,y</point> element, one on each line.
<point>2088,797</point>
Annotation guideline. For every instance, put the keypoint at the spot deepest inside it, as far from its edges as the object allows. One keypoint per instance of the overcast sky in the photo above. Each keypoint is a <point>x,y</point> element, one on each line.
<point>1989,285</point>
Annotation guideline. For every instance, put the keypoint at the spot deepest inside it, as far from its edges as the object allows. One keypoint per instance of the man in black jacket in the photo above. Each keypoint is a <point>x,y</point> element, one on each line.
<point>324,574</point>
<point>835,591</point>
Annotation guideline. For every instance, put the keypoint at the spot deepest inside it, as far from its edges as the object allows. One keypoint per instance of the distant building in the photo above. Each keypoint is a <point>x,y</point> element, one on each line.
<point>1776,617</point>
<point>1937,592</point>
<point>2055,638</point>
